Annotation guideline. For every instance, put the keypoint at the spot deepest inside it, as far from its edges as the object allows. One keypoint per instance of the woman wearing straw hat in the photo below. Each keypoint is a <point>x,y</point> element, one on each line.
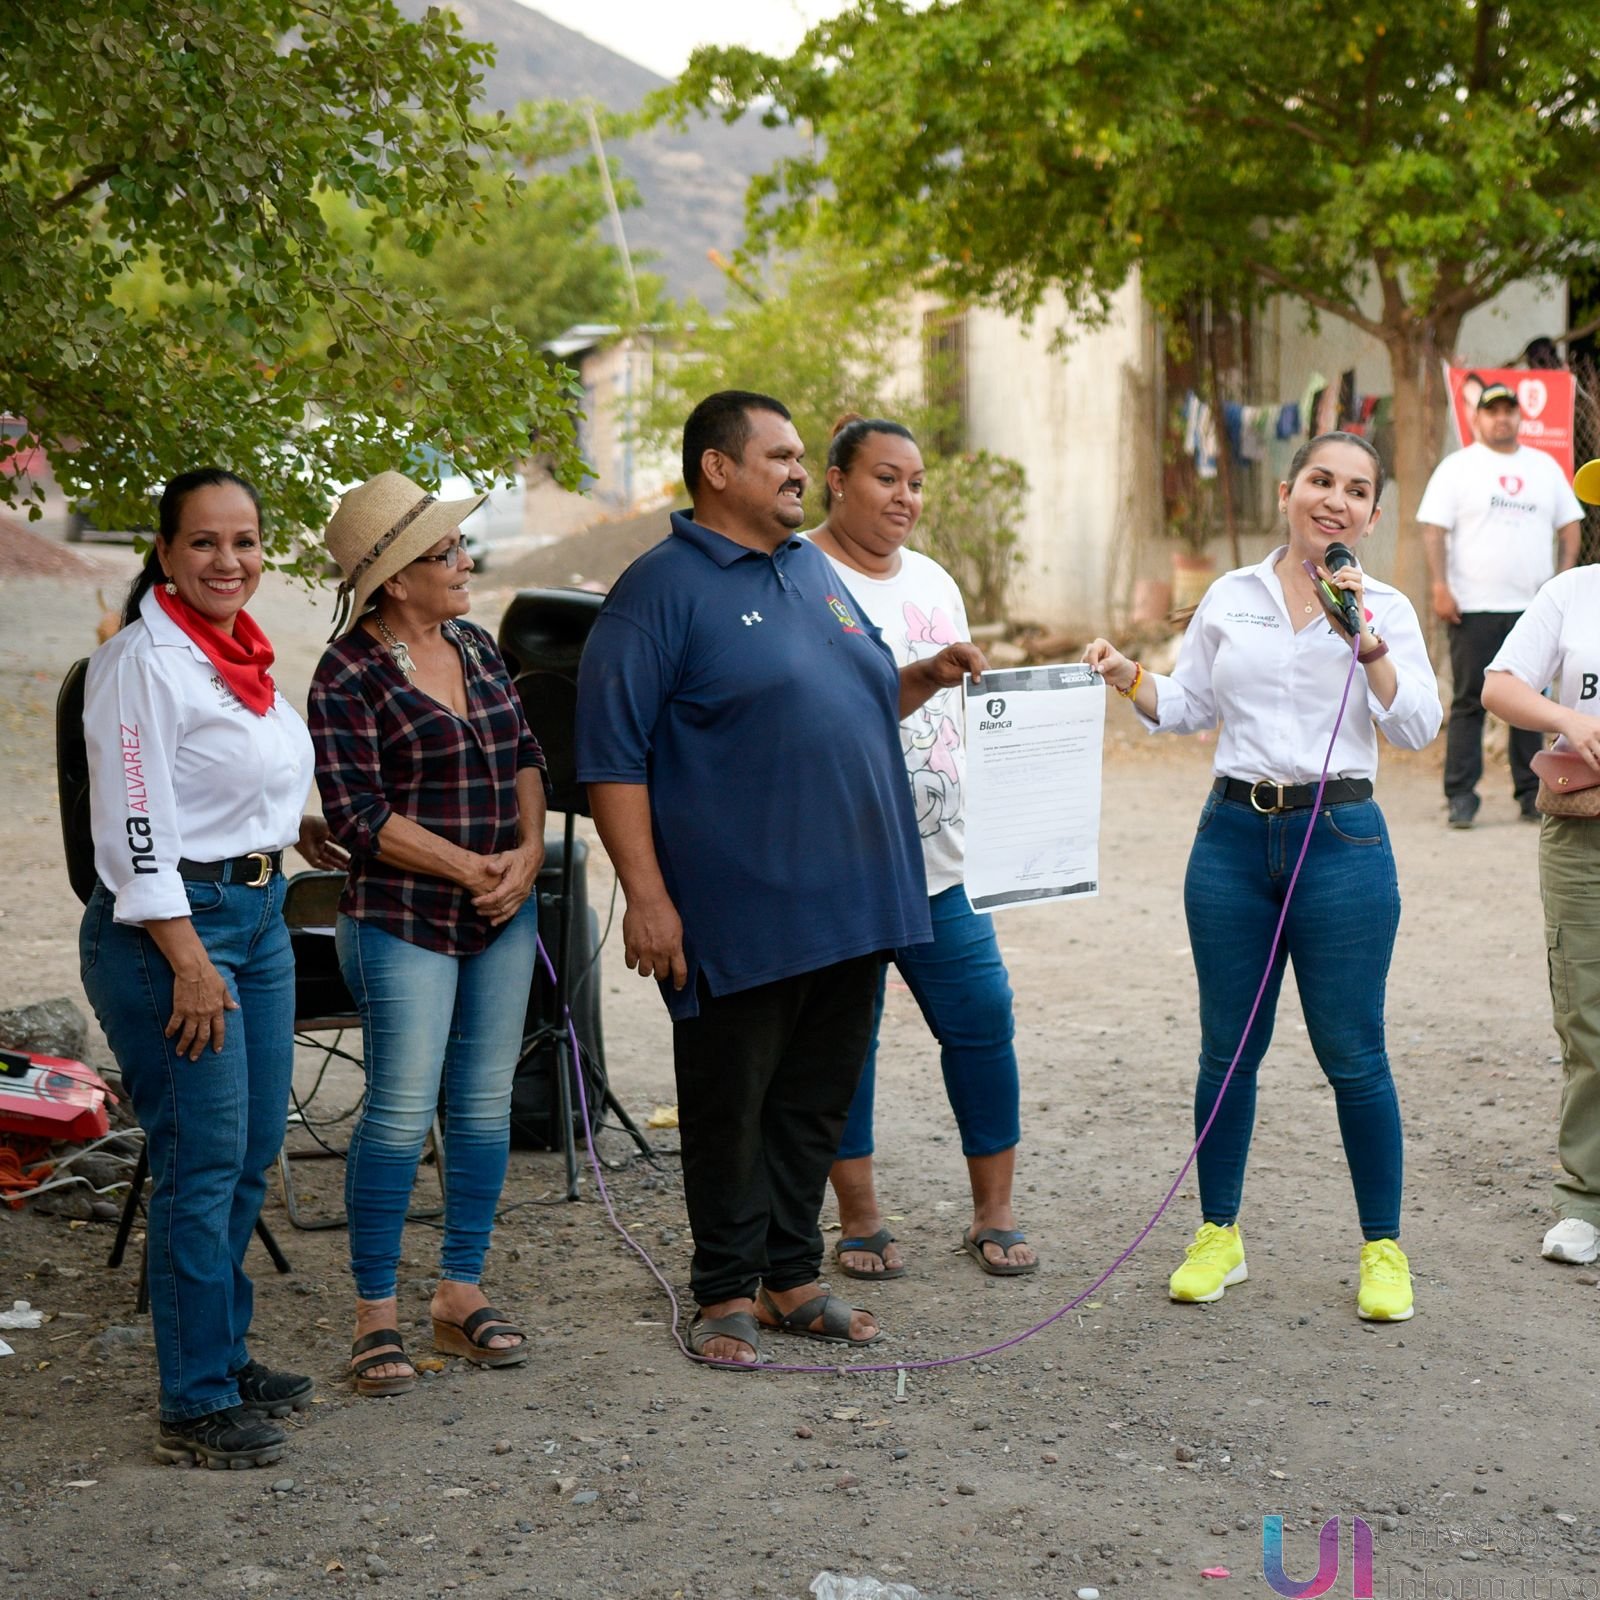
<point>433,782</point>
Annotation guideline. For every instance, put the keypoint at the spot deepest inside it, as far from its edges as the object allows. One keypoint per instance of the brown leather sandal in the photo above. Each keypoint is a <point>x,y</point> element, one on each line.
<point>393,1355</point>
<point>469,1339</point>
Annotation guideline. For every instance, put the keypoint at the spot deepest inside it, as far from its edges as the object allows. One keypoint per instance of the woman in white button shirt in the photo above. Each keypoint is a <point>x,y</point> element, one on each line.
<point>1261,657</point>
<point>1557,641</point>
<point>199,770</point>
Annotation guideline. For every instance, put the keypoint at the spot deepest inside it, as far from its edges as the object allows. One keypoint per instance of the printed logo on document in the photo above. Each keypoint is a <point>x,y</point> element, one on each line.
<point>996,709</point>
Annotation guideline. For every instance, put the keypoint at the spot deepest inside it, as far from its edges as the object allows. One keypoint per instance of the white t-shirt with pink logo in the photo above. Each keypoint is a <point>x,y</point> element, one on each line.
<point>1501,512</point>
<point>1557,641</point>
<point>919,611</point>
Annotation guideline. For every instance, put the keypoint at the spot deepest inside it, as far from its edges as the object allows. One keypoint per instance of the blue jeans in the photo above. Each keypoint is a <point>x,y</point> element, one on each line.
<point>1340,935</point>
<point>960,983</point>
<point>430,1019</point>
<point>212,1126</point>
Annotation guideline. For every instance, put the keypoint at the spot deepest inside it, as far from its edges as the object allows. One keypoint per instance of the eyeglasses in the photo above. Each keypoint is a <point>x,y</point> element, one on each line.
<point>451,555</point>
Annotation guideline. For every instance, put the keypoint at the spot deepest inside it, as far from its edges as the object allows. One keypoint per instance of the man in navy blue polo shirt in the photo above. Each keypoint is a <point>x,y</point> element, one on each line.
<point>738,728</point>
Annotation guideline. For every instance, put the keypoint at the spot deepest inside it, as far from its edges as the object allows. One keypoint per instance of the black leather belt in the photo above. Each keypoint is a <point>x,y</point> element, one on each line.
<point>254,871</point>
<point>1268,797</point>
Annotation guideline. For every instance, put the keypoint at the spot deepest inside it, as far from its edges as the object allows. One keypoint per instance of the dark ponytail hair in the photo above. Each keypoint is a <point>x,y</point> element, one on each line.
<point>176,492</point>
<point>850,432</point>
<point>1302,457</point>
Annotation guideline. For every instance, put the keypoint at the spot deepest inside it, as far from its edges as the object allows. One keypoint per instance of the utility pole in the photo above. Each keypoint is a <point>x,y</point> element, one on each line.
<point>611,202</point>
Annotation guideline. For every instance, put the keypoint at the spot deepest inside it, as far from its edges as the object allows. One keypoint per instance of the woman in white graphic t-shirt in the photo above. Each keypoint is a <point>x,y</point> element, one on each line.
<point>1557,641</point>
<point>873,500</point>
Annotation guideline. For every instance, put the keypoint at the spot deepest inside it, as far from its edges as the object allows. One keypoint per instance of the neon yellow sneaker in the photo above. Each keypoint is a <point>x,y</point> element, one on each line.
<point>1385,1283</point>
<point>1214,1262</point>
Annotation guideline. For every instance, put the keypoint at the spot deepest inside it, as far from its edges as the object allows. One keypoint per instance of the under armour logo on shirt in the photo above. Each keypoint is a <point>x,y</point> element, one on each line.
<point>750,618</point>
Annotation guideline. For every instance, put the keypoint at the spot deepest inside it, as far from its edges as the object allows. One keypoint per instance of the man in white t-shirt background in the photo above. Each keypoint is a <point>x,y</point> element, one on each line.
<point>1498,521</point>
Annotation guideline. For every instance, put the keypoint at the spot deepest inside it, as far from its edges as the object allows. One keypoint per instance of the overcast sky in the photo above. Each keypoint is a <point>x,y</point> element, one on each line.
<point>659,34</point>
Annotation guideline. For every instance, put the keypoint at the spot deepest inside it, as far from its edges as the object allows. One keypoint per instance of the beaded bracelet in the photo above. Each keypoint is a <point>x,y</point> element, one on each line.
<point>1133,688</point>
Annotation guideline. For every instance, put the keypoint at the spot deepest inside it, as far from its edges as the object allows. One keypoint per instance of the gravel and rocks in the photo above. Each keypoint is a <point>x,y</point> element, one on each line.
<point>629,1474</point>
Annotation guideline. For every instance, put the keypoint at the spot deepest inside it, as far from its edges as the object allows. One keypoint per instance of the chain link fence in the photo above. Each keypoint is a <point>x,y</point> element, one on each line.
<point>1586,441</point>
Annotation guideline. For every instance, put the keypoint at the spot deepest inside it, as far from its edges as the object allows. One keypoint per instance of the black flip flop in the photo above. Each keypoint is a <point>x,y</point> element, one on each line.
<point>871,1245</point>
<point>1004,1238</point>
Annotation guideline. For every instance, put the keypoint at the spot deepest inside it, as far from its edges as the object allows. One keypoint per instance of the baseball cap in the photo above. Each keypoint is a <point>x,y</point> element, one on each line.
<point>1497,391</point>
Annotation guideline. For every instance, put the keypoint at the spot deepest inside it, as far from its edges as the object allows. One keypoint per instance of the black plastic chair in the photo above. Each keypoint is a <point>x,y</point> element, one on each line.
<point>323,1005</point>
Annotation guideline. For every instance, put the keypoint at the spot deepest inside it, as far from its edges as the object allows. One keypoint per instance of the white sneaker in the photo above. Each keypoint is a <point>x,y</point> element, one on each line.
<point>1572,1239</point>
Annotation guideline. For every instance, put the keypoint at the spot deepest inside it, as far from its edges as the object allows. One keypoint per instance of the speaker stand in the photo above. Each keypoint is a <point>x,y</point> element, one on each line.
<point>560,1034</point>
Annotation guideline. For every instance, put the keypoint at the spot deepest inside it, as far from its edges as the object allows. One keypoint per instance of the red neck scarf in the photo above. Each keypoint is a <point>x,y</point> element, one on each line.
<point>241,657</point>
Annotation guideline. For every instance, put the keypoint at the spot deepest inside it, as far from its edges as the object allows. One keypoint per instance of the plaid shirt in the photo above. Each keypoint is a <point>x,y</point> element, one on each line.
<point>385,748</point>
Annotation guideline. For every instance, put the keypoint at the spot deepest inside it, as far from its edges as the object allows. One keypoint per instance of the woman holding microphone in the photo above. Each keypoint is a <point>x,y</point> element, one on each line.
<point>1261,658</point>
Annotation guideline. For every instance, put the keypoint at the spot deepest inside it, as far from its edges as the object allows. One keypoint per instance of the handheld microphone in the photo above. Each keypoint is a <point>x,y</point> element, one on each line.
<point>1335,559</point>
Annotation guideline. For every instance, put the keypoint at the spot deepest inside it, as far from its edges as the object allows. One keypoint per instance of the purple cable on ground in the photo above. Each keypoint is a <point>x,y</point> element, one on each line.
<point>1078,1299</point>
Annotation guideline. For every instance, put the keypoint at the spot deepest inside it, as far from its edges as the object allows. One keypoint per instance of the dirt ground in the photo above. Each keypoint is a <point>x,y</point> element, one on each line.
<point>1127,1448</point>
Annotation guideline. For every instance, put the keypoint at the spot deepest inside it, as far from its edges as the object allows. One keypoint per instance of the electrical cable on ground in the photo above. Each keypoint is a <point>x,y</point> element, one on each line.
<point>840,1369</point>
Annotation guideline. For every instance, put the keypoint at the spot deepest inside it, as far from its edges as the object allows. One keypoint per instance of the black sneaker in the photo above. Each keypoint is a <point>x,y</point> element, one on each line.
<point>274,1394</point>
<point>237,1437</point>
<point>1463,810</point>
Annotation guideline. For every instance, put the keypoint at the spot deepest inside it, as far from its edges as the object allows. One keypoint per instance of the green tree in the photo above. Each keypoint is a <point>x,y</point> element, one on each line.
<point>815,330</point>
<point>174,286</point>
<point>973,505</point>
<point>1393,166</point>
<point>540,254</point>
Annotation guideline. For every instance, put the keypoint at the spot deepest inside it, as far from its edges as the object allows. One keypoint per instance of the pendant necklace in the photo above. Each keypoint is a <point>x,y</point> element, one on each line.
<point>401,652</point>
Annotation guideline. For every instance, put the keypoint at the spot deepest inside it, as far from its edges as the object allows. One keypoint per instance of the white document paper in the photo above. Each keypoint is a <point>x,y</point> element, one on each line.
<point>1034,738</point>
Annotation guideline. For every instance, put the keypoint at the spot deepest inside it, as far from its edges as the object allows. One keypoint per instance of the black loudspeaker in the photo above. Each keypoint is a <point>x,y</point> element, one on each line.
<point>541,637</point>
<point>535,1092</point>
<point>72,781</point>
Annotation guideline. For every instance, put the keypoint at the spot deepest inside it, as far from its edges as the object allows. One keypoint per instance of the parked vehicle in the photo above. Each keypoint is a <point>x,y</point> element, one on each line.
<point>497,521</point>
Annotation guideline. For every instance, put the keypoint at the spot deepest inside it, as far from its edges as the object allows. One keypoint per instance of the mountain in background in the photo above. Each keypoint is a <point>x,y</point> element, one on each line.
<point>691,185</point>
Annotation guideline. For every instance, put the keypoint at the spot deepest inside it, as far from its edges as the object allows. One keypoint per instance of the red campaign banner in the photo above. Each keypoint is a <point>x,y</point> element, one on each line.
<point>1545,396</point>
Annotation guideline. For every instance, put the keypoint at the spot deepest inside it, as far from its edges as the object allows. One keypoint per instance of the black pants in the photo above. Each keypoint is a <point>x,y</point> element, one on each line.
<point>1474,642</point>
<point>765,1080</point>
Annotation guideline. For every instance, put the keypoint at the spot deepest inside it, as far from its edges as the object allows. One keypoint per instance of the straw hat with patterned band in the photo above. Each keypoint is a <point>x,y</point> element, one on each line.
<point>380,527</point>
